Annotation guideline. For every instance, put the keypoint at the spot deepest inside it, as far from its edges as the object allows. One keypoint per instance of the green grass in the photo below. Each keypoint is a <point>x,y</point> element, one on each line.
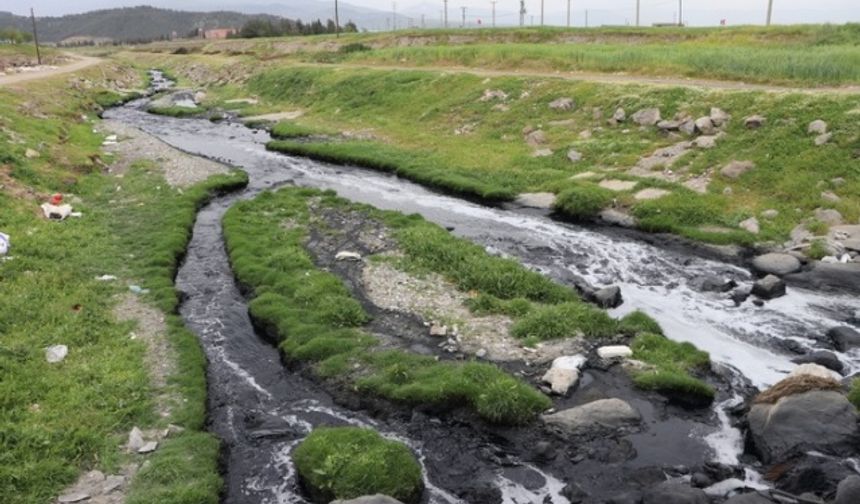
<point>854,394</point>
<point>565,320</point>
<point>176,111</point>
<point>350,462</point>
<point>286,130</point>
<point>583,201</point>
<point>673,362</point>
<point>312,315</point>
<point>59,420</point>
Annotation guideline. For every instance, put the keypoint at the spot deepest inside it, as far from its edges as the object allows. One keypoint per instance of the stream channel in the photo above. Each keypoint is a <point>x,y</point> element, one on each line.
<point>261,409</point>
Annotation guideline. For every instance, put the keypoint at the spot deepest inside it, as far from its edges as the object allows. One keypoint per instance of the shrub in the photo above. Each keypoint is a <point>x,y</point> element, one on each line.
<point>583,202</point>
<point>354,48</point>
<point>349,462</point>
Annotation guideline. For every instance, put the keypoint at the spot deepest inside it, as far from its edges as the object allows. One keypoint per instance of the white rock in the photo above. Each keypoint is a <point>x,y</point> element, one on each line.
<point>56,353</point>
<point>347,256</point>
<point>818,127</point>
<point>569,362</point>
<point>561,380</point>
<point>574,156</point>
<point>73,497</point>
<point>135,440</point>
<point>817,370</point>
<point>31,154</point>
<point>148,447</point>
<point>5,244</point>
<point>751,225</point>
<point>438,330</point>
<point>110,138</point>
<point>106,278</point>
<point>614,352</point>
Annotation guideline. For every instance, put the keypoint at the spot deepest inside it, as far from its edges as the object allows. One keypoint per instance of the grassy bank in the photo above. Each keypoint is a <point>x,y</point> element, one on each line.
<point>437,129</point>
<point>61,419</point>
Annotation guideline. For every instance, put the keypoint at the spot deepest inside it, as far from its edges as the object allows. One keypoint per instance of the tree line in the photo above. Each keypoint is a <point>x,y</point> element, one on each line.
<point>14,36</point>
<point>284,27</point>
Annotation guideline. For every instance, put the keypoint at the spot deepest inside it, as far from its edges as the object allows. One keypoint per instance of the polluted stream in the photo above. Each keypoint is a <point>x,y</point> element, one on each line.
<point>261,409</point>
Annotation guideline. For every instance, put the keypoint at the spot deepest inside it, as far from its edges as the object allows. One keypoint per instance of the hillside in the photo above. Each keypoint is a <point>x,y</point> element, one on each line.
<point>127,24</point>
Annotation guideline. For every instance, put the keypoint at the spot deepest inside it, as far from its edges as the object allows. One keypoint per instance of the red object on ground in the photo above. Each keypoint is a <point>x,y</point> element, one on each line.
<point>56,199</point>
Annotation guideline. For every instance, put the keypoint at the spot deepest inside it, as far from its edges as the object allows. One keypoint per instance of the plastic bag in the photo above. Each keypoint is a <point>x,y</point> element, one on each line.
<point>5,244</point>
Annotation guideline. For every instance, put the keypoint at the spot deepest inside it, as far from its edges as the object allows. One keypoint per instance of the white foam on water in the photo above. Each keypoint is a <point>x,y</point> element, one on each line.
<point>727,443</point>
<point>515,493</point>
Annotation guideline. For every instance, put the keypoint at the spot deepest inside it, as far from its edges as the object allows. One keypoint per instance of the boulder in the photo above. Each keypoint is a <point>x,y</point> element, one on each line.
<point>706,142</point>
<point>776,264</point>
<point>564,373</point>
<point>769,287</point>
<point>823,421</point>
<point>620,115</point>
<point>135,440</point>
<point>617,218</point>
<point>754,121</point>
<point>817,127</point>
<point>812,474</point>
<point>705,126</point>
<point>751,225</point>
<point>844,338</point>
<point>735,169</point>
<point>647,117</point>
<point>608,297</point>
<point>614,352</point>
<point>561,104</point>
<point>594,416</point>
<point>822,358</point>
<point>536,200</point>
<point>719,117</point>
<point>675,493</point>
<point>688,127</point>
<point>848,491</point>
<point>712,283</point>
<point>830,196</point>
<point>823,139</point>
<point>669,125</point>
<point>369,499</point>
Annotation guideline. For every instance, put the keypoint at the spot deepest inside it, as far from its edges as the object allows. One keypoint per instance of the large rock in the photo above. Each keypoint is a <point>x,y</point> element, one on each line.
<point>816,370</point>
<point>751,225</point>
<point>749,498</point>
<point>829,216</point>
<point>735,169</point>
<point>719,117</point>
<point>369,499</point>
<point>754,121</point>
<point>705,126</point>
<point>769,287</point>
<point>647,117</point>
<point>817,127</point>
<point>776,264</point>
<point>844,338</point>
<point>595,416</point>
<point>848,491</point>
<point>675,493</point>
<point>822,358</point>
<point>713,283</point>
<point>822,421</point>
<point>535,138</point>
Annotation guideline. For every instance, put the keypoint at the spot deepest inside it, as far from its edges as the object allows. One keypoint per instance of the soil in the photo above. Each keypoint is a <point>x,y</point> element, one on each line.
<point>80,63</point>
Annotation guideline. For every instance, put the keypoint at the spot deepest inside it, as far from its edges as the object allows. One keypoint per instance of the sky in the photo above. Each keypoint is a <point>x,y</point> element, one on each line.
<point>615,12</point>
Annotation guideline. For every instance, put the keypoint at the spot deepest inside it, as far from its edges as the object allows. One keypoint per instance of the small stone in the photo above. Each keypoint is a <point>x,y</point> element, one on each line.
<point>620,115</point>
<point>438,330</point>
<point>73,497</point>
<point>614,352</point>
<point>823,139</point>
<point>817,127</point>
<point>574,156</point>
<point>609,297</point>
<point>705,126</point>
<point>754,121</point>
<point>536,138</point>
<point>770,214</point>
<point>585,135</point>
<point>135,440</point>
<point>769,287</point>
<point>688,127</point>
<point>751,225</point>
<point>719,117</point>
<point>651,194</point>
<point>705,142</point>
<point>112,483</point>
<point>735,169</point>
<point>56,353</point>
<point>828,216</point>
<point>481,353</point>
<point>31,154</point>
<point>562,104</point>
<point>542,153</point>
<point>148,447</point>
<point>647,117</point>
<point>347,256</point>
<point>830,196</point>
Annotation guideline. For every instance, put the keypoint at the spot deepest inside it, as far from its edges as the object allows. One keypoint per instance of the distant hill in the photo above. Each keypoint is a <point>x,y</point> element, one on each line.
<point>127,24</point>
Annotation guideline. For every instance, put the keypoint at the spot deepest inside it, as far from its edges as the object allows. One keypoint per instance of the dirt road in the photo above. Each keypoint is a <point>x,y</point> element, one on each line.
<point>79,63</point>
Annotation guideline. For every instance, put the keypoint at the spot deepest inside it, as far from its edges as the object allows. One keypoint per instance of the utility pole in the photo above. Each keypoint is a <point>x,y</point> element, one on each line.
<point>680,12</point>
<point>541,12</point>
<point>464,17</point>
<point>36,37</point>
<point>568,13</point>
<point>445,21</point>
<point>586,18</point>
<point>394,15</point>
<point>494,13</point>
<point>522,13</point>
<point>638,2</point>
<point>336,20</point>
<point>769,11</point>
<point>423,25</point>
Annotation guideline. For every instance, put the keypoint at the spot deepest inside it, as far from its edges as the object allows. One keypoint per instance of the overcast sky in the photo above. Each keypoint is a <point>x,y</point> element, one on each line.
<point>696,12</point>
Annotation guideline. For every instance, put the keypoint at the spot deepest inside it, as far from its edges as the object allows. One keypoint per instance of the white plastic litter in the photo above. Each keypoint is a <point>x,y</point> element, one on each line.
<point>56,353</point>
<point>56,212</point>
<point>106,278</point>
<point>614,352</point>
<point>5,244</point>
